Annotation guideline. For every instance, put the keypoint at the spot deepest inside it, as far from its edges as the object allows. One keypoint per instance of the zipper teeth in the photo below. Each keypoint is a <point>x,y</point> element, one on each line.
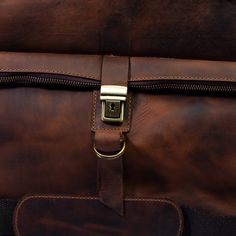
<point>27,79</point>
<point>187,87</point>
<point>47,81</point>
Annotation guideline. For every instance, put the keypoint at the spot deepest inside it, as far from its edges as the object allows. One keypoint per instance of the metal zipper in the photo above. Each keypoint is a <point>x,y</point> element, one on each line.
<point>48,81</point>
<point>185,86</point>
<point>83,83</point>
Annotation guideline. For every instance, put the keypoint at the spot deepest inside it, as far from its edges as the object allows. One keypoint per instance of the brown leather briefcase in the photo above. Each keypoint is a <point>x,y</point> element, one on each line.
<point>96,145</point>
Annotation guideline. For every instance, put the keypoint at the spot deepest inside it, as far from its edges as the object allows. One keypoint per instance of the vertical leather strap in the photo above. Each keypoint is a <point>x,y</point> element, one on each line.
<point>109,137</point>
<point>115,70</point>
<point>110,172</point>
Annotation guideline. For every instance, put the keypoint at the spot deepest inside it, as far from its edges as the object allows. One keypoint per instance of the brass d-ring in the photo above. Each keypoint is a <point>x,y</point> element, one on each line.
<point>110,157</point>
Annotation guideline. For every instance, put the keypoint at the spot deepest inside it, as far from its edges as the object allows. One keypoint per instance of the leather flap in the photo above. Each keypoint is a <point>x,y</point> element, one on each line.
<point>86,66</point>
<point>141,68</point>
<point>86,216</point>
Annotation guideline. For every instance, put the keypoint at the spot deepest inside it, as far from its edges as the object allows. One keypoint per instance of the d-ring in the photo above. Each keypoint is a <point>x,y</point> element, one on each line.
<point>110,157</point>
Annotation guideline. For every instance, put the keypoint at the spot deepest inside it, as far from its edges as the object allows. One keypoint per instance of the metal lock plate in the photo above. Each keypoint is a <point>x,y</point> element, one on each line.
<point>112,109</point>
<point>113,103</point>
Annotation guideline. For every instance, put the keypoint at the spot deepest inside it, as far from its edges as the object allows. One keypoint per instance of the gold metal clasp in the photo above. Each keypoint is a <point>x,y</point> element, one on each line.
<point>113,103</point>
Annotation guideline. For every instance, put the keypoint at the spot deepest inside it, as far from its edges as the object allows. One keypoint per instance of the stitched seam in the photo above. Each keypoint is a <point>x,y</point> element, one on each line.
<point>130,108</point>
<point>164,77</point>
<point>94,110</point>
<point>166,201</point>
<point>42,70</point>
<point>16,214</point>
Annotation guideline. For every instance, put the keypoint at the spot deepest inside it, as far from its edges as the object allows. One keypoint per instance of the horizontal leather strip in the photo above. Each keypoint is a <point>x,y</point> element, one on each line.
<point>144,68</point>
<point>60,215</point>
<point>141,68</point>
<point>87,66</point>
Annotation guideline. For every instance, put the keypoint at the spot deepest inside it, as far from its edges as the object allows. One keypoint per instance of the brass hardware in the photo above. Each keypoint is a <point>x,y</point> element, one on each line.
<point>112,109</point>
<point>113,103</point>
<point>111,156</point>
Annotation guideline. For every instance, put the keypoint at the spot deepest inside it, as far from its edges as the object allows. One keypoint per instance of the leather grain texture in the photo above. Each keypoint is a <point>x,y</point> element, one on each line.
<point>64,216</point>
<point>203,29</point>
<point>179,146</point>
<point>183,147</point>
<point>46,146</point>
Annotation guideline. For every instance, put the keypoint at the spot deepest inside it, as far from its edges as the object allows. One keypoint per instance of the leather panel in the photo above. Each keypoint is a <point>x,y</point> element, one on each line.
<point>83,216</point>
<point>179,147</point>
<point>203,29</point>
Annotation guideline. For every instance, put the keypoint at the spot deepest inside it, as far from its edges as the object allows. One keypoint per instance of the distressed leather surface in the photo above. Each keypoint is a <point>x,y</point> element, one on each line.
<point>188,148</point>
<point>74,216</point>
<point>202,29</point>
<point>178,147</point>
<point>186,152</point>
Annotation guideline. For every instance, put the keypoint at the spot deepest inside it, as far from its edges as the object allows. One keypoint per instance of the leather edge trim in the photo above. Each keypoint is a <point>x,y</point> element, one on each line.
<point>146,200</point>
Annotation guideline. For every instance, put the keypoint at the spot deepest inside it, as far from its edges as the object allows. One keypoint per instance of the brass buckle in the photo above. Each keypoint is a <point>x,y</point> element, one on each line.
<point>113,103</point>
